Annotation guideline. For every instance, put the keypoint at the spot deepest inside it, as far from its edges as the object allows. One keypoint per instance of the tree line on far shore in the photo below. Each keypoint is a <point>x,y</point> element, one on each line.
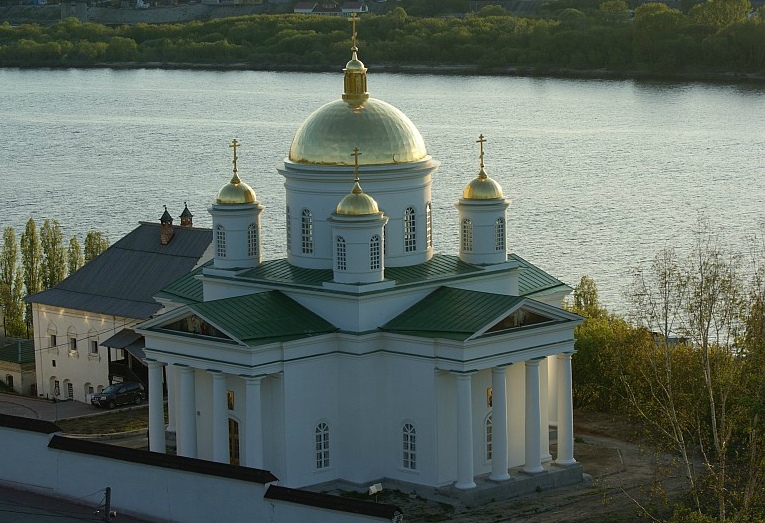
<point>715,36</point>
<point>38,261</point>
<point>687,366</point>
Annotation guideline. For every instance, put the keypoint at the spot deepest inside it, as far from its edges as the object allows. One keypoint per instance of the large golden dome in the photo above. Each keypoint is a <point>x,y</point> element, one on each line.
<point>384,133</point>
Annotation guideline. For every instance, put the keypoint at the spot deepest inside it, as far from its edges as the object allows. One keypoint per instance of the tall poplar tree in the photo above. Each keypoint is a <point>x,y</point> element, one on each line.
<point>31,265</point>
<point>10,281</point>
<point>74,256</point>
<point>95,244</point>
<point>54,254</point>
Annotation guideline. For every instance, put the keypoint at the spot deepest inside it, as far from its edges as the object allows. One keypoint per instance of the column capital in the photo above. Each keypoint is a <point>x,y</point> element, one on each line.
<point>463,374</point>
<point>533,363</point>
<point>155,363</point>
<point>253,379</point>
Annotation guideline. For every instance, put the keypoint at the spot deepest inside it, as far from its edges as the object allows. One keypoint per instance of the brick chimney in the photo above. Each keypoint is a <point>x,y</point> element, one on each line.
<point>165,228</point>
<point>186,216</point>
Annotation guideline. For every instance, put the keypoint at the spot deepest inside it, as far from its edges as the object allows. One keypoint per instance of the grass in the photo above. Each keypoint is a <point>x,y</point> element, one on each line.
<point>108,423</point>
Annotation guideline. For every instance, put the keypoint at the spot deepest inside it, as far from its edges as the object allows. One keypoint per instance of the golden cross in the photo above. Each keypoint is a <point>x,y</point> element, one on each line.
<point>234,144</point>
<point>481,140</point>
<point>356,155</point>
<point>353,30</point>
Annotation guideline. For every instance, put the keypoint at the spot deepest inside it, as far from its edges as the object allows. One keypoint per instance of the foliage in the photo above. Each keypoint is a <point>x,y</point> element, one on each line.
<point>31,265</point>
<point>53,265</point>
<point>95,244</point>
<point>74,258</point>
<point>578,34</point>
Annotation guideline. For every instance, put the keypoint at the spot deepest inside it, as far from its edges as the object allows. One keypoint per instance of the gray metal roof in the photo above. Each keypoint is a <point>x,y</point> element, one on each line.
<point>123,280</point>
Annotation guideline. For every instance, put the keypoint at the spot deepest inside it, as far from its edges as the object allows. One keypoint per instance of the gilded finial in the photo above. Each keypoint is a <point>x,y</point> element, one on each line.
<point>355,82</point>
<point>356,185</point>
<point>353,32</point>
<point>481,140</point>
<point>234,144</point>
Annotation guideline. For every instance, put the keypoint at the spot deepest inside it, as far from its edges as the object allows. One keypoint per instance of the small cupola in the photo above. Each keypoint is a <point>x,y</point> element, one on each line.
<point>482,218</point>
<point>165,227</point>
<point>186,216</point>
<point>358,235</point>
<point>355,74</point>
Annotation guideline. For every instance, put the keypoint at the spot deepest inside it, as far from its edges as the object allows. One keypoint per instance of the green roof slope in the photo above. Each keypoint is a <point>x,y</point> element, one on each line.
<point>533,280</point>
<point>263,317</point>
<point>452,313</point>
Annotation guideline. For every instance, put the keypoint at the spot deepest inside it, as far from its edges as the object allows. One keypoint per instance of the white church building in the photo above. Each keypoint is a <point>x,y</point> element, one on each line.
<point>364,354</point>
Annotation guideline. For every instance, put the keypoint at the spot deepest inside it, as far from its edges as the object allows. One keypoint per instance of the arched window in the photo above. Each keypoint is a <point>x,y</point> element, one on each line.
<point>428,227</point>
<point>288,225</point>
<point>487,425</point>
<point>220,241</point>
<point>374,253</point>
<point>340,259</point>
<point>306,230</point>
<point>467,235</point>
<point>410,230</point>
<point>409,446</point>
<point>499,234</point>
<point>322,445</point>
<point>252,240</point>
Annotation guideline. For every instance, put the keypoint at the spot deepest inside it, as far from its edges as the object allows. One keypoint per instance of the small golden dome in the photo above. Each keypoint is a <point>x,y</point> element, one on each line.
<point>357,203</point>
<point>354,64</point>
<point>235,192</point>
<point>482,188</point>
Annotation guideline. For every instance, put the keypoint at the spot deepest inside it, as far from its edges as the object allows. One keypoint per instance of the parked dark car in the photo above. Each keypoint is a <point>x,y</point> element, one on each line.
<point>119,394</point>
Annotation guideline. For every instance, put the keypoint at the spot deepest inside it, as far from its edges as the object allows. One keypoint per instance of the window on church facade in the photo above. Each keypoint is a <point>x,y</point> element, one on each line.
<point>340,258</point>
<point>374,253</point>
<point>252,240</point>
<point>71,334</point>
<point>428,227</point>
<point>488,437</point>
<point>499,234</point>
<point>52,342</point>
<point>410,230</point>
<point>410,446</point>
<point>306,229</point>
<point>288,225</point>
<point>467,235</point>
<point>322,445</point>
<point>220,241</point>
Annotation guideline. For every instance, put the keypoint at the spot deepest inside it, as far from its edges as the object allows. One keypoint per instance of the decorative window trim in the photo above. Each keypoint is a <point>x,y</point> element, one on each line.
<point>220,241</point>
<point>322,446</point>
<point>306,231</point>
<point>409,446</point>
<point>466,235</point>
<point>488,430</point>
<point>375,258</point>
<point>252,240</point>
<point>500,235</point>
<point>410,230</point>
<point>341,257</point>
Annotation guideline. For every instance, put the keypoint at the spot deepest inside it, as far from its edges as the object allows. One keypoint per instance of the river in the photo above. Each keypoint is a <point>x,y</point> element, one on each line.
<point>601,174</point>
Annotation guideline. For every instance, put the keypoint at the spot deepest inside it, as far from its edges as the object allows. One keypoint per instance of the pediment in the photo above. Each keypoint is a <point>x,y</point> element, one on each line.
<point>195,325</point>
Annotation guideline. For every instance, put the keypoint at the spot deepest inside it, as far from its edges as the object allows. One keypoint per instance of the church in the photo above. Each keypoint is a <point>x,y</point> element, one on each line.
<point>363,353</point>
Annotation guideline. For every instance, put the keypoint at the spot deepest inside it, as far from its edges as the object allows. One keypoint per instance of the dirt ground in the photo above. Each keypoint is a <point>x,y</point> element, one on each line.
<point>625,477</point>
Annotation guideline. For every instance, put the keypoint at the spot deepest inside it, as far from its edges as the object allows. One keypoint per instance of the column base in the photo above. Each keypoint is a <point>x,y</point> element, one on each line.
<point>500,478</point>
<point>565,462</point>
<point>465,486</point>
<point>534,471</point>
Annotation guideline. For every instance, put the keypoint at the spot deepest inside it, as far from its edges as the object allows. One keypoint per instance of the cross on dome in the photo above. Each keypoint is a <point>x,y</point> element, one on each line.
<point>353,32</point>
<point>234,144</point>
<point>356,155</point>
<point>481,140</point>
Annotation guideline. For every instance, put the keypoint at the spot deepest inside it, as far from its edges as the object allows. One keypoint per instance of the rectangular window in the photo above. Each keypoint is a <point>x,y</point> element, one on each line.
<point>94,346</point>
<point>230,399</point>
<point>53,363</point>
<point>72,344</point>
<point>410,231</point>
<point>52,343</point>
<point>70,391</point>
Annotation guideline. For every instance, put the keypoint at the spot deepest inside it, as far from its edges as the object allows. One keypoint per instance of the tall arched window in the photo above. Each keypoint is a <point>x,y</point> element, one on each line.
<point>428,227</point>
<point>487,425</point>
<point>220,241</point>
<point>467,235</point>
<point>499,234</point>
<point>288,225</point>
<point>340,258</point>
<point>252,240</point>
<point>306,230</point>
<point>374,253</point>
<point>409,446</point>
<point>322,445</point>
<point>410,230</point>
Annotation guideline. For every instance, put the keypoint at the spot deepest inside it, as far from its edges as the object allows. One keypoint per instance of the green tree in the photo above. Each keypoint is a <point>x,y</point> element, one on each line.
<point>8,257</point>
<point>11,285</point>
<point>74,258</point>
<point>54,254</point>
<point>720,13</point>
<point>95,244</point>
<point>31,265</point>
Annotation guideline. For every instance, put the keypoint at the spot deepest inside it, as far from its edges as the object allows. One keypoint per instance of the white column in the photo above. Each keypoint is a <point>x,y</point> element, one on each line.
<point>172,396</point>
<point>156,408</point>
<point>499,424</point>
<point>565,412</point>
<point>187,414</point>
<point>464,433</point>
<point>219,418</point>
<point>533,462</point>
<point>253,431</point>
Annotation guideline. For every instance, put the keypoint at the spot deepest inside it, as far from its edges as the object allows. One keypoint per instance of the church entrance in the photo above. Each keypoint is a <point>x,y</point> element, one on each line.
<point>233,441</point>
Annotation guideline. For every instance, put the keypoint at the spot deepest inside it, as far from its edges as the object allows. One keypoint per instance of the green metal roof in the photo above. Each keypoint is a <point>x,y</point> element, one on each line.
<point>264,317</point>
<point>439,266</point>
<point>18,351</point>
<point>187,288</point>
<point>533,280</point>
<point>281,271</point>
<point>452,313</point>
